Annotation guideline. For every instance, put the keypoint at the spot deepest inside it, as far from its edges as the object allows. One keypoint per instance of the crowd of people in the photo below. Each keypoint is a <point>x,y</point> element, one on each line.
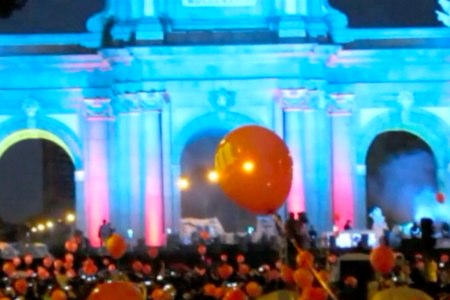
<point>207,269</point>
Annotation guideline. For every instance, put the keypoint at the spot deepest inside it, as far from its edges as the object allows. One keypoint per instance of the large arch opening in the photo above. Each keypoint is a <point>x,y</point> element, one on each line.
<point>402,177</point>
<point>203,198</point>
<point>37,183</point>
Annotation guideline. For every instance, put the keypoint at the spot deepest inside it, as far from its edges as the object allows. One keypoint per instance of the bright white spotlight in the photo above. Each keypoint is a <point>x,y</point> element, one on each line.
<point>183,183</point>
<point>49,224</point>
<point>40,227</point>
<point>248,166</point>
<point>213,176</point>
<point>33,229</point>
<point>70,218</point>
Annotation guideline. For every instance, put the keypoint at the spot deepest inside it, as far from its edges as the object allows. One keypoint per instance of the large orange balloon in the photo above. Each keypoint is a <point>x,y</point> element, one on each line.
<point>116,290</point>
<point>382,259</point>
<point>116,245</point>
<point>255,168</point>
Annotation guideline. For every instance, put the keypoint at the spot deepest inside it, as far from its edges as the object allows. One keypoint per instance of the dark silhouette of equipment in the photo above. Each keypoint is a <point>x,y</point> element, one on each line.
<point>427,228</point>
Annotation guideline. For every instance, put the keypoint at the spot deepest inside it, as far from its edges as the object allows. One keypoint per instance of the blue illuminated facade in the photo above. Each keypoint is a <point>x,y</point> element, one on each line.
<point>126,97</point>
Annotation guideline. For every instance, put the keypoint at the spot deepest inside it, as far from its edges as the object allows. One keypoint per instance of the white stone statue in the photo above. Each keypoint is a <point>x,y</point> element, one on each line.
<point>379,224</point>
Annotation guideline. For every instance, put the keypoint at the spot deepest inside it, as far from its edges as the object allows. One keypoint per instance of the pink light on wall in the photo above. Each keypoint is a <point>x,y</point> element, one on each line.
<point>96,183</point>
<point>296,198</point>
<point>153,198</point>
<point>293,134</point>
<point>342,181</point>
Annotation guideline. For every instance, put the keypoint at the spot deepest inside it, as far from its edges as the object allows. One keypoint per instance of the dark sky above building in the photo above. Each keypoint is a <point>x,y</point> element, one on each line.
<point>71,15</point>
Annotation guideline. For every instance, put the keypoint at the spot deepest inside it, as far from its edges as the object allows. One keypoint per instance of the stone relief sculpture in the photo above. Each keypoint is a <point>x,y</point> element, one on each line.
<point>444,14</point>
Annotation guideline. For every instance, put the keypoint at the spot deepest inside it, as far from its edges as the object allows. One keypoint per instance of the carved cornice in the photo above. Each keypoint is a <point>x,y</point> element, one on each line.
<point>140,101</point>
<point>301,99</point>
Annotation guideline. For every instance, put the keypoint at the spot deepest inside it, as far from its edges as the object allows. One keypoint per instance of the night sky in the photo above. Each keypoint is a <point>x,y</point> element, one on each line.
<point>71,15</point>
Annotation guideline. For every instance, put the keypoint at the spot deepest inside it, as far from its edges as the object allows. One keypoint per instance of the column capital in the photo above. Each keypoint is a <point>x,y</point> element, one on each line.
<point>141,101</point>
<point>341,103</point>
<point>98,108</point>
<point>301,98</point>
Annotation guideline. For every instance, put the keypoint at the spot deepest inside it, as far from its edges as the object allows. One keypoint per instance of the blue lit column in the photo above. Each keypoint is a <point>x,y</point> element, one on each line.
<point>151,132</point>
<point>128,202</point>
<point>79,200</point>
<point>293,136</point>
<point>96,140</point>
<point>306,128</point>
<point>176,196</point>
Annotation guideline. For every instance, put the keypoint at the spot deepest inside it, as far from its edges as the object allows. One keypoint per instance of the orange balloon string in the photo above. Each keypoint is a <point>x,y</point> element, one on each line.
<point>310,267</point>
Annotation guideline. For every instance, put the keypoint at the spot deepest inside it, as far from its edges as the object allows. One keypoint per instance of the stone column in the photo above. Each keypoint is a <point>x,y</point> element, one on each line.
<point>293,137</point>
<point>343,160</point>
<point>128,184</point>
<point>96,206</point>
<point>152,105</point>
<point>79,178</point>
<point>308,124</point>
<point>361,195</point>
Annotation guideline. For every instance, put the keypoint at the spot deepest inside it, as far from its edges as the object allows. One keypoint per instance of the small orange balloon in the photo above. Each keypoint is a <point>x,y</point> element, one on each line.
<point>287,274</point>
<point>116,246</point>
<point>219,292</point>
<point>209,289</point>
<point>314,293</point>
<point>253,289</point>
<point>21,286</point>
<point>58,295</point>
<point>351,281</point>
<point>137,266</point>
<point>47,262</point>
<point>17,261</point>
<point>28,259</point>
<point>236,294</point>
<point>42,273</point>
<point>201,249</point>
<point>382,259</point>
<point>116,290</point>
<point>255,169</point>
<point>69,258</point>
<point>303,278</point>
<point>243,269</point>
<point>240,258</point>
<point>71,273</point>
<point>225,271</point>
<point>158,294</point>
<point>71,245</point>
<point>58,264</point>
<point>304,259</point>
<point>440,197</point>
<point>146,269</point>
<point>9,268</point>
<point>90,269</point>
